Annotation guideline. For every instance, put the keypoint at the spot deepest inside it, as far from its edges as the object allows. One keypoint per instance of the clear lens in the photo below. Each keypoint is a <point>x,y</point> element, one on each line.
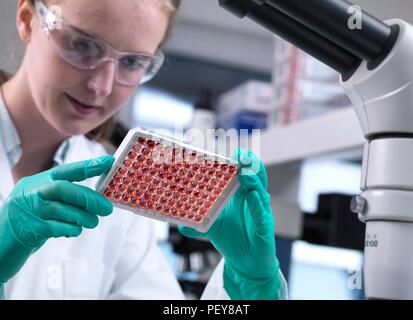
<point>156,64</point>
<point>77,51</point>
<point>85,53</point>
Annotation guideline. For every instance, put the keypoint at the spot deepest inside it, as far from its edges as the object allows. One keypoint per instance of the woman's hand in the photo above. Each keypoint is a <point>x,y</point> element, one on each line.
<point>49,205</point>
<point>244,234</point>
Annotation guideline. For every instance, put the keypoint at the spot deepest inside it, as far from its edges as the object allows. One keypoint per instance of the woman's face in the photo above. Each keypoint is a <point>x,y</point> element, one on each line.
<point>127,26</point>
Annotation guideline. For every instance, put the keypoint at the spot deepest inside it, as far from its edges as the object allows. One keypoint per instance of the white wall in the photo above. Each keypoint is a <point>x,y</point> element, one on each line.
<point>11,49</point>
<point>388,9</point>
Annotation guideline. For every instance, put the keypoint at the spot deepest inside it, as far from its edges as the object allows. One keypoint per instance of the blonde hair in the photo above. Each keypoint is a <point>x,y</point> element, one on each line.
<point>172,7</point>
<point>105,130</point>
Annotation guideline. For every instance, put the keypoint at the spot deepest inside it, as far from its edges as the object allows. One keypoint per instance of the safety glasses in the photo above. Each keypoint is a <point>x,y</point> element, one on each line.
<point>87,51</point>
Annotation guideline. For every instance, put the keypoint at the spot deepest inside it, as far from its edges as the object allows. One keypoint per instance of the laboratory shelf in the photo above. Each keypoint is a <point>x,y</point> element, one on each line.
<point>335,134</point>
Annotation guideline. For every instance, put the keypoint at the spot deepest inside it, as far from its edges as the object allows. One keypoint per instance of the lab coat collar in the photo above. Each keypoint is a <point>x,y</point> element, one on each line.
<point>60,155</point>
<point>76,148</point>
<point>9,137</point>
<point>73,149</point>
<point>7,182</point>
<point>11,142</point>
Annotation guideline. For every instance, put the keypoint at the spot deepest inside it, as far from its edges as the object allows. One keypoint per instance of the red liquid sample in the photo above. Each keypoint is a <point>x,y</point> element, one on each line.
<point>168,181</point>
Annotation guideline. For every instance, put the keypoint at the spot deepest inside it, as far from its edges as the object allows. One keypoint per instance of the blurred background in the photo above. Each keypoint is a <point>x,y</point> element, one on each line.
<point>235,74</point>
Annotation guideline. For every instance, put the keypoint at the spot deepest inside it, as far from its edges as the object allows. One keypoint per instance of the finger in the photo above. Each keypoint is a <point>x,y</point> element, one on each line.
<point>250,163</point>
<point>259,168</point>
<point>262,218</point>
<point>52,210</point>
<point>250,181</point>
<point>77,195</point>
<point>79,171</point>
<point>60,229</point>
<point>191,233</point>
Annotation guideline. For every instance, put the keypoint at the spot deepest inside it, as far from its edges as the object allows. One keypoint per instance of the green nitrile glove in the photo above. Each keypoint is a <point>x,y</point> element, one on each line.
<point>244,235</point>
<point>49,205</point>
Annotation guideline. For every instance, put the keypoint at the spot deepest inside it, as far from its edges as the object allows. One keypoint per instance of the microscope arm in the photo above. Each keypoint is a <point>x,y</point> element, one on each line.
<point>320,28</point>
<point>377,73</point>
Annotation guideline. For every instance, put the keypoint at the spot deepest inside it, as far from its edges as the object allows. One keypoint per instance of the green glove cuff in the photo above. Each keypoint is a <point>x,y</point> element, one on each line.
<point>14,251</point>
<point>240,287</point>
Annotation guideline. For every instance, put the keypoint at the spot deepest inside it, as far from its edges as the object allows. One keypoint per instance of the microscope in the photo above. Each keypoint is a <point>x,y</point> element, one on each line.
<point>374,60</point>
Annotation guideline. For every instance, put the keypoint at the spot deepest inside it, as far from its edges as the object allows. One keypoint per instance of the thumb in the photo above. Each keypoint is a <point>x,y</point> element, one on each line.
<point>191,233</point>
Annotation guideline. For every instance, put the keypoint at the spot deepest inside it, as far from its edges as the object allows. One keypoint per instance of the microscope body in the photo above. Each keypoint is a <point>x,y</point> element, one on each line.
<point>375,63</point>
<point>383,101</point>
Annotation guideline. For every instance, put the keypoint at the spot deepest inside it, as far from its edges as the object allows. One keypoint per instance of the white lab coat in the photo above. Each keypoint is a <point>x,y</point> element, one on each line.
<point>119,259</point>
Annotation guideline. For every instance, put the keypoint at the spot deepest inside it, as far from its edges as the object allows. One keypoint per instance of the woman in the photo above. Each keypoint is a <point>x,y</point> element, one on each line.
<point>60,239</point>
